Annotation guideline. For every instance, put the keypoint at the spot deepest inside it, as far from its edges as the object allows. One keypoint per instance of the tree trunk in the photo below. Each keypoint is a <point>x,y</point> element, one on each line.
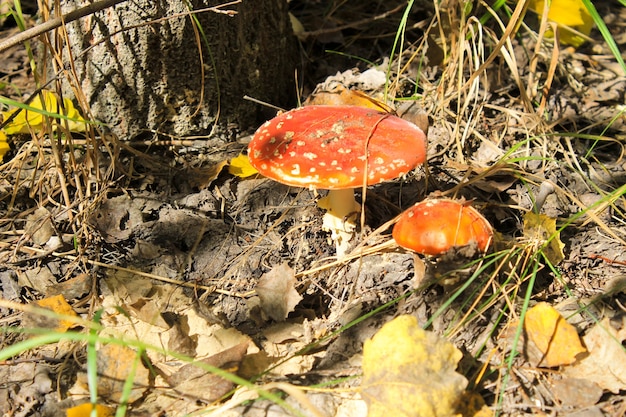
<point>140,67</point>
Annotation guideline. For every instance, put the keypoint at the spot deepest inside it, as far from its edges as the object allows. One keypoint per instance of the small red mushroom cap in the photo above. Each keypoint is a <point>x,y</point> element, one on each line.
<point>433,227</point>
<point>332,147</point>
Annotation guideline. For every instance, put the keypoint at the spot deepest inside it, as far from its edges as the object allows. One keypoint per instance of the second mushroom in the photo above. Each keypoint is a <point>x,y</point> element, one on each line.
<point>434,226</point>
<point>337,148</point>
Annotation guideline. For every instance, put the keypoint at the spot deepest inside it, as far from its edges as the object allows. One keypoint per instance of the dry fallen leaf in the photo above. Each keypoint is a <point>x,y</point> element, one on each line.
<point>606,363</point>
<point>127,288</point>
<point>4,145</point>
<point>566,13</point>
<point>473,405</point>
<point>254,364</point>
<point>408,371</point>
<point>575,392</point>
<point>340,95</point>
<point>33,116</point>
<point>116,217</point>
<point>276,290</point>
<point>280,341</point>
<point>73,288</point>
<point>181,326</point>
<point>180,341</point>
<point>115,364</point>
<point>39,226</point>
<point>557,340</point>
<point>27,384</point>
<point>56,304</point>
<point>39,277</point>
<point>539,228</point>
<point>194,381</point>
<point>84,410</point>
<point>297,27</point>
<point>240,166</point>
<point>203,177</point>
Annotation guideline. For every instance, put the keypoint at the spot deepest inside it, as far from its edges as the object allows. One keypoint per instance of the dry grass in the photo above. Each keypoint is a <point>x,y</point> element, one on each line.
<point>487,87</point>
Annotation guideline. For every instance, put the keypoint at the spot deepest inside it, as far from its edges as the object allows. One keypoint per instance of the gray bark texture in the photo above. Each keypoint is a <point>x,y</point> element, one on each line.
<point>139,65</point>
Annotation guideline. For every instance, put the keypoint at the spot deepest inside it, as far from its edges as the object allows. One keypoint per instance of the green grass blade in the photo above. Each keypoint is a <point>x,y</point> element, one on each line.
<point>606,34</point>
<point>47,336</point>
<point>398,44</point>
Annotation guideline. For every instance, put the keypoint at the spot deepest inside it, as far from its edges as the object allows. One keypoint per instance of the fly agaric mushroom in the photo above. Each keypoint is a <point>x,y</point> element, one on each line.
<point>336,148</point>
<point>433,227</point>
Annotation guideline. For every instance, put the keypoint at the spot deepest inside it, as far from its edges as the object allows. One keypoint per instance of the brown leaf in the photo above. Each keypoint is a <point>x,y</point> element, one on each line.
<point>203,177</point>
<point>414,113</point>
<point>255,364</point>
<point>194,381</point>
<point>276,290</point>
<point>179,339</point>
<point>39,226</point>
<point>473,405</point>
<point>149,311</point>
<point>115,363</point>
<point>284,332</point>
<point>576,392</point>
<point>72,288</point>
<point>116,218</point>
<point>340,95</point>
<point>39,278</point>
<point>606,363</point>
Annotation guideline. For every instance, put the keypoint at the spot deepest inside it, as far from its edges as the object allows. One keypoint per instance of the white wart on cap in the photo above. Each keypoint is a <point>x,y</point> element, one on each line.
<point>330,147</point>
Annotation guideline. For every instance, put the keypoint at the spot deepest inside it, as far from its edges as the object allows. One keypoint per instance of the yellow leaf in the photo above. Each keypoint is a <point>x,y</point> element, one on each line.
<point>410,372</point>
<point>84,410</point>
<point>567,14</point>
<point>32,116</point>
<point>58,305</point>
<point>4,145</point>
<point>241,167</point>
<point>473,405</point>
<point>116,364</point>
<point>556,339</point>
<point>539,228</point>
<point>297,27</point>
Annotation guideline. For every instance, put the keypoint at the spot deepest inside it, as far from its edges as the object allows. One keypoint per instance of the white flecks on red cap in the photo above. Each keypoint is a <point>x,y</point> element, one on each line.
<point>433,227</point>
<point>331,141</point>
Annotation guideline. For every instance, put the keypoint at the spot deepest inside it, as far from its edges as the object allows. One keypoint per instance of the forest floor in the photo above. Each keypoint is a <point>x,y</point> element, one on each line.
<point>178,258</point>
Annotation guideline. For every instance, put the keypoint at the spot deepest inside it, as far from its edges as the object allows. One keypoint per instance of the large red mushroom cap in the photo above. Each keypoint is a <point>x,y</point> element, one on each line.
<point>336,148</point>
<point>433,227</point>
<point>332,147</point>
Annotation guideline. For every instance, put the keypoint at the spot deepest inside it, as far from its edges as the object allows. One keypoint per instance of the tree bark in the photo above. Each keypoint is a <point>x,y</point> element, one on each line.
<point>140,67</point>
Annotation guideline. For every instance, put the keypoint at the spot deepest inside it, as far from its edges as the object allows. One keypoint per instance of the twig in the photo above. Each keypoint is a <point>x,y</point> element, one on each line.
<point>354,24</point>
<point>607,260</point>
<point>56,22</point>
<point>69,256</point>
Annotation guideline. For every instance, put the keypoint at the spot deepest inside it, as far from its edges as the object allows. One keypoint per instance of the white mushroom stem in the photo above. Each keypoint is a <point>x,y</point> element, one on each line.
<point>340,217</point>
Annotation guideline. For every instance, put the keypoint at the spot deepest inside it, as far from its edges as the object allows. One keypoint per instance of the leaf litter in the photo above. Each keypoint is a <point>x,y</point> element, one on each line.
<point>219,243</point>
